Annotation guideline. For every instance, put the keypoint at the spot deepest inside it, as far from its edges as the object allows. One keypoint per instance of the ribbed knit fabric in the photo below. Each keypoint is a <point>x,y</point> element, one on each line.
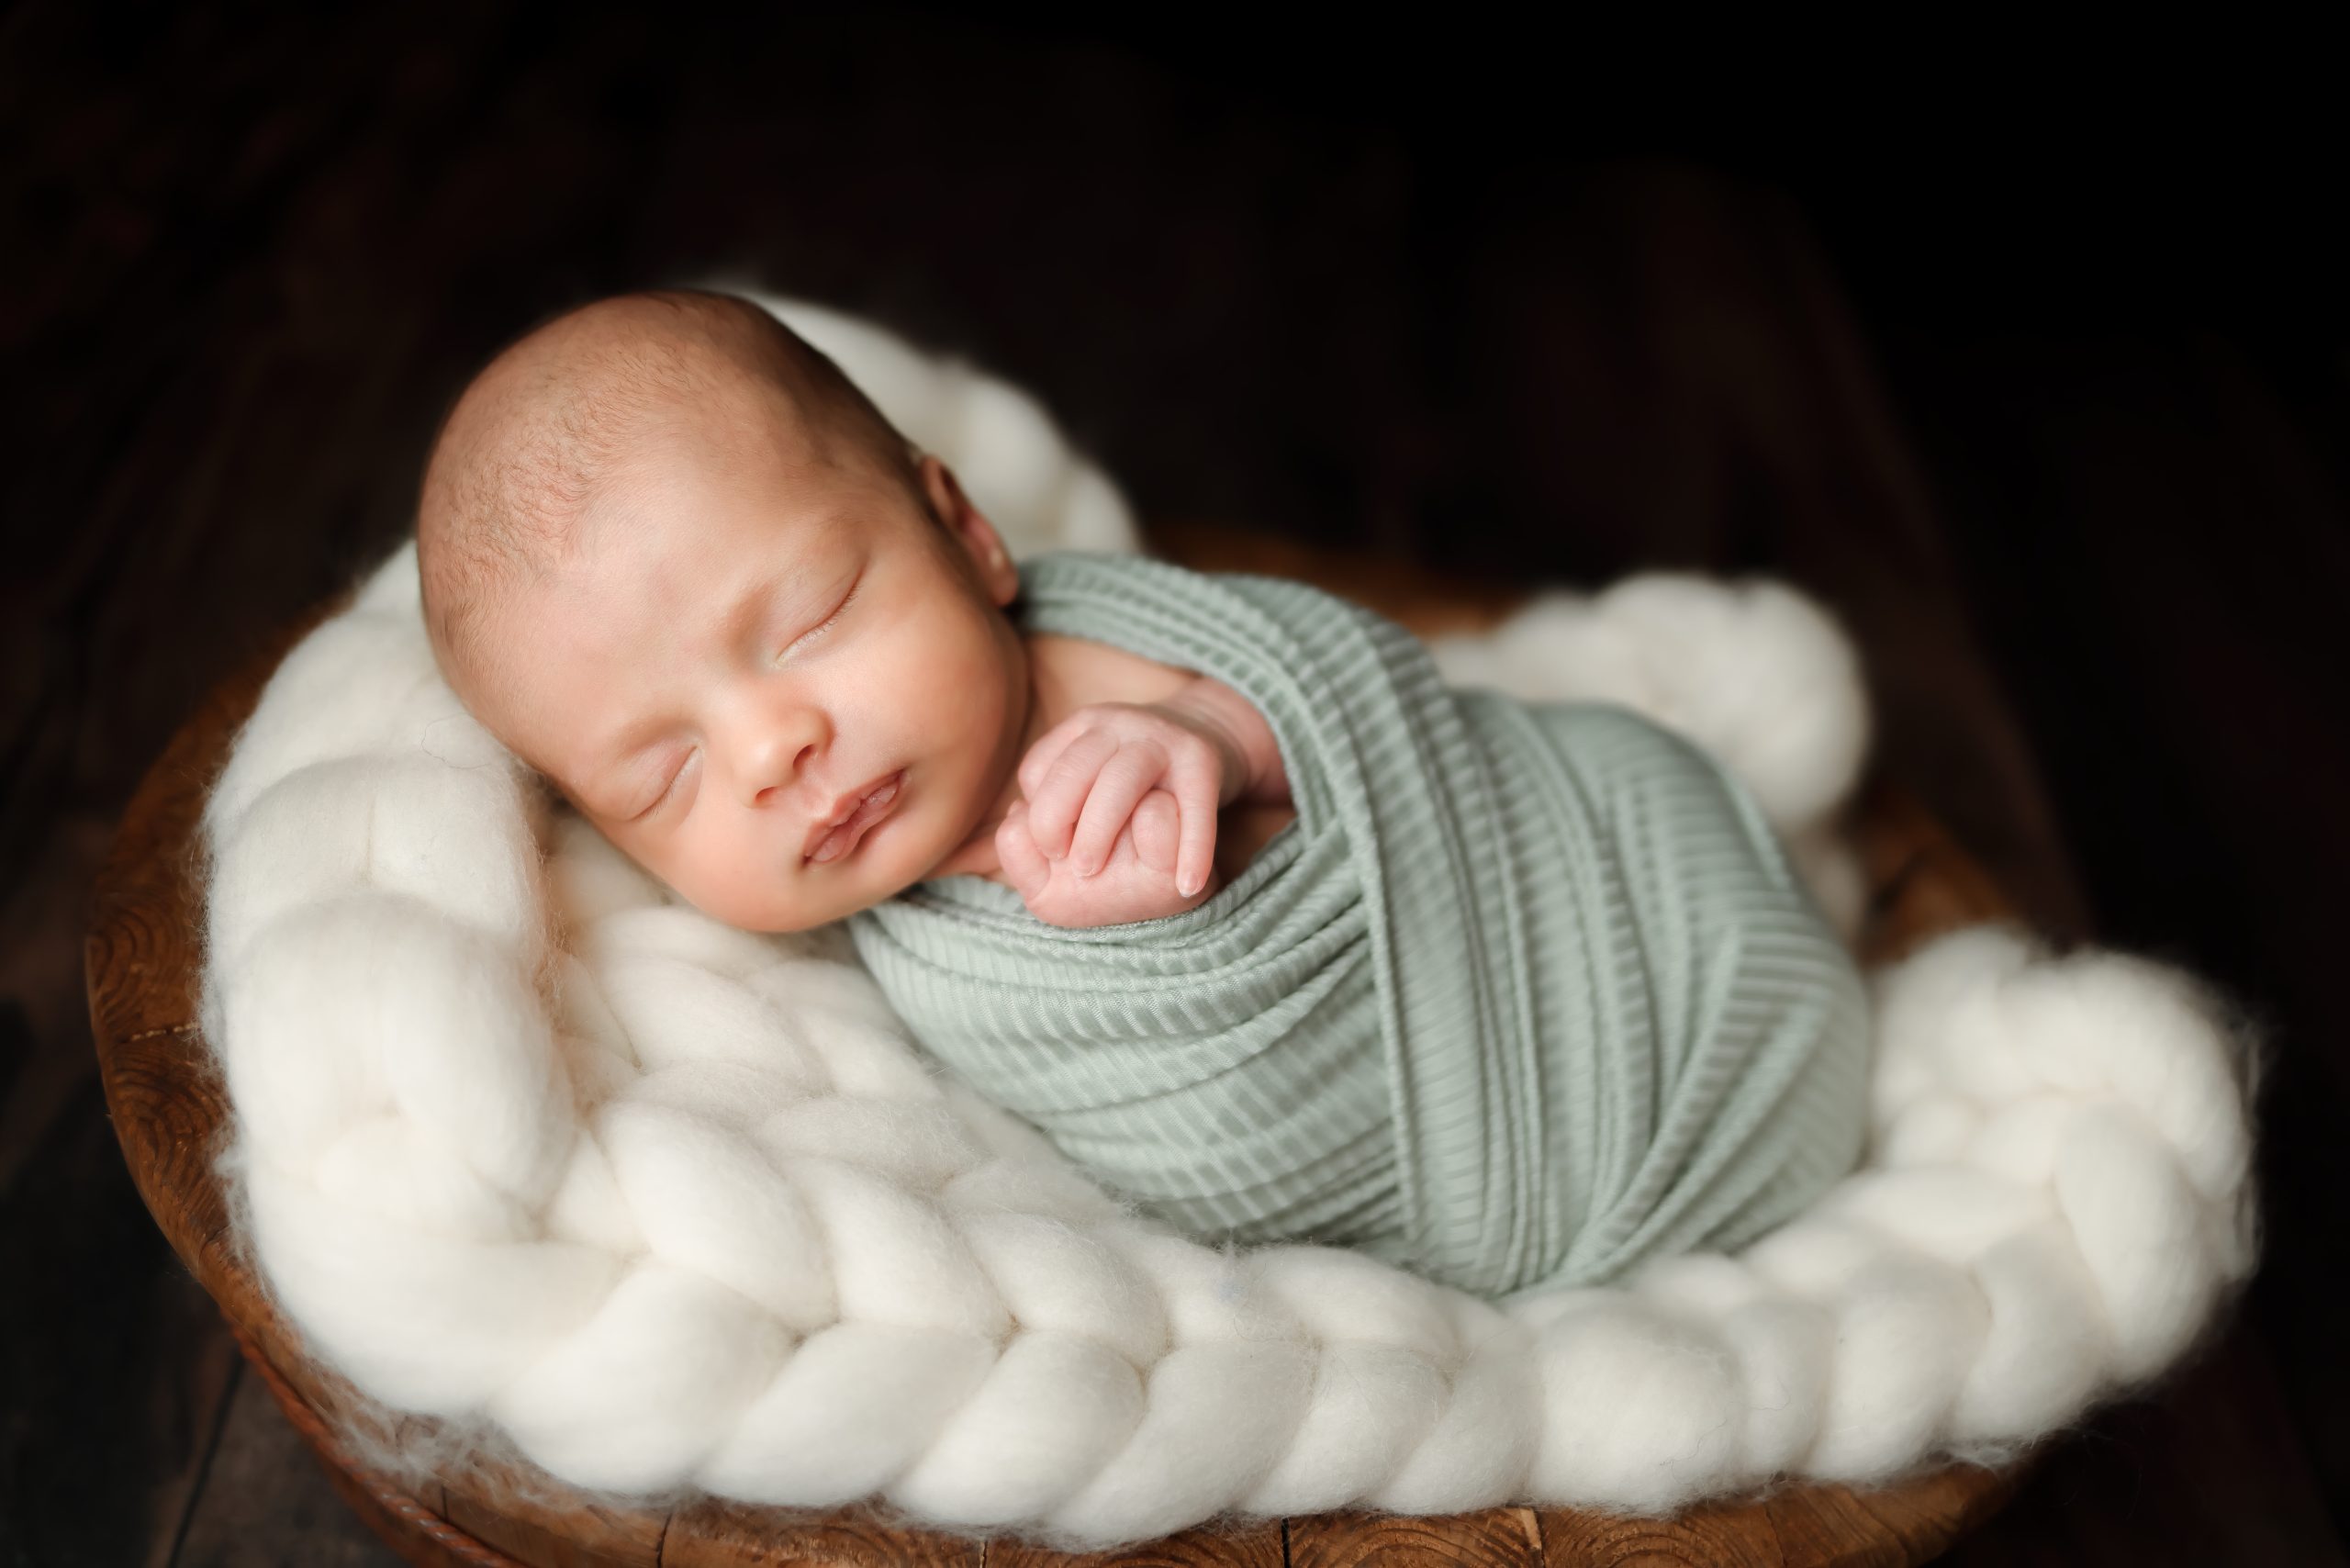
<point>1527,993</point>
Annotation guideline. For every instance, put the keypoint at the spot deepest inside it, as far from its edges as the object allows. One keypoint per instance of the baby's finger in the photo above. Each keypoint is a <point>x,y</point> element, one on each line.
<point>1022,861</point>
<point>1041,756</point>
<point>1053,806</point>
<point>1124,780</point>
<point>1156,827</point>
<point>1198,790</point>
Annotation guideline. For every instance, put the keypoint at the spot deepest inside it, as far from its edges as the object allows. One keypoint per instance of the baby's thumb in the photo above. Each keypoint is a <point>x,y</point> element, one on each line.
<point>1157,829</point>
<point>1022,861</point>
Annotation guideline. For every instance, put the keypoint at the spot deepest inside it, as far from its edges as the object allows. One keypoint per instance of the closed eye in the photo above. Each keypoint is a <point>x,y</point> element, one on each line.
<point>817,630</point>
<point>663,798</point>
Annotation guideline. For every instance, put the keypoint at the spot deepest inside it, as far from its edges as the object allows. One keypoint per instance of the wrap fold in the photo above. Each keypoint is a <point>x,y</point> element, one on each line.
<point>1526,994</point>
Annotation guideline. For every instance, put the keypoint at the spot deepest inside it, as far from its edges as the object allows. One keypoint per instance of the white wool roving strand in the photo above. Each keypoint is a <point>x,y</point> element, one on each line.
<point>521,1141</point>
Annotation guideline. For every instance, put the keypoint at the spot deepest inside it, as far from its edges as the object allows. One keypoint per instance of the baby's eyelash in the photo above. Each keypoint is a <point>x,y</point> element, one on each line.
<point>663,798</point>
<point>838,610</point>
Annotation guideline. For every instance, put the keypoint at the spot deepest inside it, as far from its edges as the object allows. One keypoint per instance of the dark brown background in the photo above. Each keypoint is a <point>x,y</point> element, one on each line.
<point>2060,427</point>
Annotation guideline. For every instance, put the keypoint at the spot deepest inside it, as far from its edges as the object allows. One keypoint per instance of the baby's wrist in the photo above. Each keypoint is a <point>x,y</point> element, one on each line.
<point>1238,730</point>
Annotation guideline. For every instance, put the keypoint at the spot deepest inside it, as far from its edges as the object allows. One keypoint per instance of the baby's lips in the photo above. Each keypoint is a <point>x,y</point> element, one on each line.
<point>846,836</point>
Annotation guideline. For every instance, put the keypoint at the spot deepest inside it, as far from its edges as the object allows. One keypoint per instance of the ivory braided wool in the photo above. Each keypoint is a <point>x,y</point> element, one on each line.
<point>520,1139</point>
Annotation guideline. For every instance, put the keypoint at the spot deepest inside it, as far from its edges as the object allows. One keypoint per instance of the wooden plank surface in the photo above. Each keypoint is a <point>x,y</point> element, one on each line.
<point>267,1502</point>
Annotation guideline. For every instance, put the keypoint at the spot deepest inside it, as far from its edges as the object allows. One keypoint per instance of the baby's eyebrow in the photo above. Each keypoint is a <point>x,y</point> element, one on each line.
<point>750,610</point>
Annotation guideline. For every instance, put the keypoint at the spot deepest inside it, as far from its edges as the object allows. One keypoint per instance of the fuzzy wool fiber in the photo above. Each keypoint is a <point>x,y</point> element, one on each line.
<point>522,1143</point>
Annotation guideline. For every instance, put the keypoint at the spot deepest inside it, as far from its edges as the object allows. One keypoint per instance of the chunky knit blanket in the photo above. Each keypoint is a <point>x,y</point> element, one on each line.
<point>1527,993</point>
<point>522,1144</point>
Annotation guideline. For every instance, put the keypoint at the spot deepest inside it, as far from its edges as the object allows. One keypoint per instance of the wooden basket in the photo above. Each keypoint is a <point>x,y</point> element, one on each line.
<point>169,1110</point>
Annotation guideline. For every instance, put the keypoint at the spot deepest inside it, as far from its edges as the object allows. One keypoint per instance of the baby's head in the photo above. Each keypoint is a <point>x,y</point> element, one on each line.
<point>678,563</point>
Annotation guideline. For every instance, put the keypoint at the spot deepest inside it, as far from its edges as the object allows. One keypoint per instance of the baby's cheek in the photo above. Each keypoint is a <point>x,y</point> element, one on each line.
<point>700,880</point>
<point>750,907</point>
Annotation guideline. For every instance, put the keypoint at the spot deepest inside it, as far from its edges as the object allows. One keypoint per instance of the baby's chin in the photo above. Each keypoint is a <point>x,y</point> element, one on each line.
<point>819,896</point>
<point>767,916</point>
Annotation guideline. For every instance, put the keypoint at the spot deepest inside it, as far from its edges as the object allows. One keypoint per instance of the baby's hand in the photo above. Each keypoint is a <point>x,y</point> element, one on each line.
<point>1137,882</point>
<point>1088,782</point>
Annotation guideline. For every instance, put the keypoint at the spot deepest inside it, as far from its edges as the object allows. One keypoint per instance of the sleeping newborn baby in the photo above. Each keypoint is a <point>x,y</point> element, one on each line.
<point>1209,878</point>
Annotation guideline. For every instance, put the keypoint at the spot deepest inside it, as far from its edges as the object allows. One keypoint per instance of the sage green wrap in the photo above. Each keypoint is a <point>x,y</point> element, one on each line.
<point>1527,993</point>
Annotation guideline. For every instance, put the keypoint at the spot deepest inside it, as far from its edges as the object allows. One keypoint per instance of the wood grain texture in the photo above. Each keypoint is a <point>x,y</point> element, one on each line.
<point>144,976</point>
<point>1491,1538</point>
<point>1243,1543</point>
<point>524,1529</point>
<point>715,1533</point>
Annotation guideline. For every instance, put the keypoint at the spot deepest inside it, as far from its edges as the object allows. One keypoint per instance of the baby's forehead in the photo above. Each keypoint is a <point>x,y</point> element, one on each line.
<point>724,510</point>
<point>682,542</point>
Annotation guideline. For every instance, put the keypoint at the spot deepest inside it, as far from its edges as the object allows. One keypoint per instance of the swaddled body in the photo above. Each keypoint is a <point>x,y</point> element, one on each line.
<point>1520,996</point>
<point>1524,995</point>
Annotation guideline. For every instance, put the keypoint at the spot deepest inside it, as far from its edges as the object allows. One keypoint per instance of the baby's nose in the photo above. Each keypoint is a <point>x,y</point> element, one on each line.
<point>774,767</point>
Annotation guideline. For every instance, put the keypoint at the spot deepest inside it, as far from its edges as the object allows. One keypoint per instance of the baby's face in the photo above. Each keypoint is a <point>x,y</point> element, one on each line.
<point>748,643</point>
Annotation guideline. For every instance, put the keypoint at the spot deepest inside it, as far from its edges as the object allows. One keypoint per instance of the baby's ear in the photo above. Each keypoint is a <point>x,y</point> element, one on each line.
<point>969,527</point>
<point>943,492</point>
